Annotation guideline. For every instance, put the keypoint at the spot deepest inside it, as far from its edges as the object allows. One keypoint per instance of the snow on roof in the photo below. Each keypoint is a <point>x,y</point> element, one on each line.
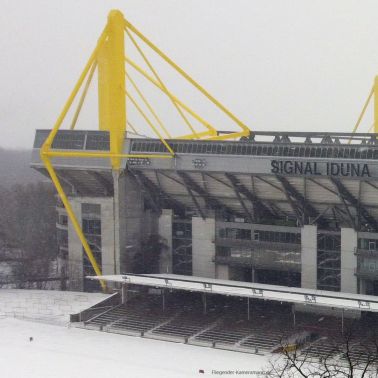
<point>252,290</point>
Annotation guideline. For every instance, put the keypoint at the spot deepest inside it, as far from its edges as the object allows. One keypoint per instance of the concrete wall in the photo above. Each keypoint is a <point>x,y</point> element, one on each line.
<point>203,247</point>
<point>165,231</point>
<point>348,260</point>
<point>309,257</point>
<point>108,248</point>
<point>222,272</point>
<point>131,221</point>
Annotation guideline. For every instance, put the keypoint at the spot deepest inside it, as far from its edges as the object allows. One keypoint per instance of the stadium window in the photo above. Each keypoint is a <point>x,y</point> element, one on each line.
<point>92,226</point>
<point>259,149</point>
<point>223,251</point>
<point>63,220</point>
<point>370,154</point>
<point>254,150</point>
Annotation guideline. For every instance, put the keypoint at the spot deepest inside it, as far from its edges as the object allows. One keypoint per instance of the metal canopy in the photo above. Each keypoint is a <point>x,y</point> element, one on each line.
<point>322,298</point>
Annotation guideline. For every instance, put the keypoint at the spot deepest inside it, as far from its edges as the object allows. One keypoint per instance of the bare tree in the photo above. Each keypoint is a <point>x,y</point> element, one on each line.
<point>354,353</point>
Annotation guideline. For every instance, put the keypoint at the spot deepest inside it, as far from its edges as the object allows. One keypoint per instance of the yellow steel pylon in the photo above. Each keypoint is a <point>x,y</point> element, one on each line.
<point>109,58</point>
<point>372,94</point>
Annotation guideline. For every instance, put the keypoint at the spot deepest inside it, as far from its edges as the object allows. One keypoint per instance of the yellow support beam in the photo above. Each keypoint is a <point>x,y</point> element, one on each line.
<point>185,75</point>
<point>150,108</point>
<point>82,98</point>
<point>71,214</point>
<point>160,81</point>
<point>230,136</point>
<point>72,154</point>
<point>212,130</point>
<point>48,142</point>
<point>141,112</point>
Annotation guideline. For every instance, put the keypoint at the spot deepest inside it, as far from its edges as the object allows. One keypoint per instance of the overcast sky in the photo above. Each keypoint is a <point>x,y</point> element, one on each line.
<point>279,65</point>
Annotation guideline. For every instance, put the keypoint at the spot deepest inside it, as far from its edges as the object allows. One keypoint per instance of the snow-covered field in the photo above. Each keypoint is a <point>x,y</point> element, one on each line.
<point>48,306</point>
<point>61,352</point>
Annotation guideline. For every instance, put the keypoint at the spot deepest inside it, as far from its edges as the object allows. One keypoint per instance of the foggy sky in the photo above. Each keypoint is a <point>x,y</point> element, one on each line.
<point>278,65</point>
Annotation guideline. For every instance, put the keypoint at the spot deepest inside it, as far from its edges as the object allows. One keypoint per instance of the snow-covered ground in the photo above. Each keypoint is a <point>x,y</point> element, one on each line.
<point>58,350</point>
<point>48,306</point>
<point>62,352</point>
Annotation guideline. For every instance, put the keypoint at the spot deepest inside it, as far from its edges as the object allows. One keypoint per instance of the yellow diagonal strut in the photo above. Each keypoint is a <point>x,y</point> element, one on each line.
<point>46,150</point>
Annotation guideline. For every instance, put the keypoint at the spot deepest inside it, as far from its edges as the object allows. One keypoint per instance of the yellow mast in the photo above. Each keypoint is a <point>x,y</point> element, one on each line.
<point>111,84</point>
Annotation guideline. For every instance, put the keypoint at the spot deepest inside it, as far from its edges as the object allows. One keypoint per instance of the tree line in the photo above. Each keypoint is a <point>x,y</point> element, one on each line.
<point>28,245</point>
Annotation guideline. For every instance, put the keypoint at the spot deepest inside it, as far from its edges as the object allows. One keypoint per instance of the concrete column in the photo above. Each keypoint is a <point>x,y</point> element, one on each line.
<point>348,260</point>
<point>114,220</point>
<point>108,245</point>
<point>75,251</point>
<point>222,272</point>
<point>309,257</point>
<point>165,231</point>
<point>203,247</point>
<point>362,286</point>
<point>131,216</point>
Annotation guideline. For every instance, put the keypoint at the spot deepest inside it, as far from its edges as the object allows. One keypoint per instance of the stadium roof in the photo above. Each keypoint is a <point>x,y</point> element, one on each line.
<point>322,298</point>
<point>309,178</point>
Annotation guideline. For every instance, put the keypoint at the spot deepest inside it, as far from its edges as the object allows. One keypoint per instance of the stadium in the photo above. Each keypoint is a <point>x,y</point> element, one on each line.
<point>205,238</point>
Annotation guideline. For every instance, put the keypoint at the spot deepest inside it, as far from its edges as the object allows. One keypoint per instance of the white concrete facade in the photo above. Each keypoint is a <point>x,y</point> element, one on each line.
<point>309,241</point>
<point>75,249</point>
<point>348,260</point>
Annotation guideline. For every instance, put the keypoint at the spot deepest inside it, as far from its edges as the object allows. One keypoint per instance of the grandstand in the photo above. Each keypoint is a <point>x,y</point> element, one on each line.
<point>239,323</point>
